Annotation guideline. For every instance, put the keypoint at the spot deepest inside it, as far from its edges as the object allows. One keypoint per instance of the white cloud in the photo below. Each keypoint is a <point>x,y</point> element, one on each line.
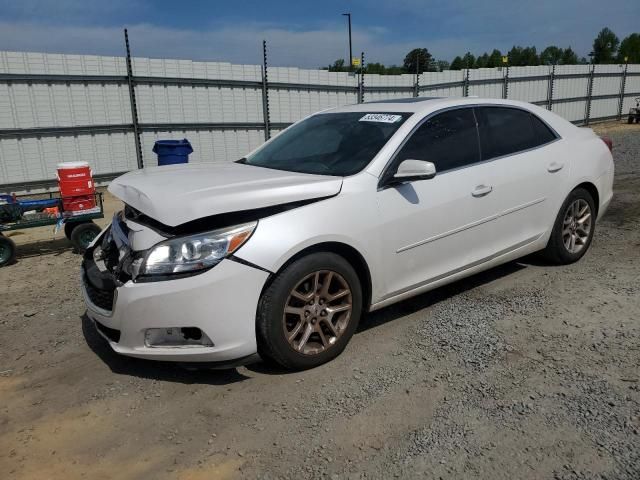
<point>236,44</point>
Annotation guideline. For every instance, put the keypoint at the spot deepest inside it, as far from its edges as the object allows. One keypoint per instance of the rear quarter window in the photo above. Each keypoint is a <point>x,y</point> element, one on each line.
<point>543,133</point>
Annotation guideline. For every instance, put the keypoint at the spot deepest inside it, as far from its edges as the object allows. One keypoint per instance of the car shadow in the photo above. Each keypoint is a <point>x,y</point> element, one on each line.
<point>433,297</point>
<point>172,372</point>
<point>152,369</point>
<point>414,304</point>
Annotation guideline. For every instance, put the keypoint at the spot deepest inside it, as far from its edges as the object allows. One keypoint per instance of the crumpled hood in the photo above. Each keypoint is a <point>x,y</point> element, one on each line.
<point>176,194</point>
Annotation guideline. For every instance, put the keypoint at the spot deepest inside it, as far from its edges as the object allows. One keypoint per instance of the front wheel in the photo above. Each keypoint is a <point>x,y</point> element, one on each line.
<point>310,311</point>
<point>573,230</point>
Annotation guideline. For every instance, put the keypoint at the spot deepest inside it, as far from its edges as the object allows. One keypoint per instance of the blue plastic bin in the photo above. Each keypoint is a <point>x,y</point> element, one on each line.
<point>171,152</point>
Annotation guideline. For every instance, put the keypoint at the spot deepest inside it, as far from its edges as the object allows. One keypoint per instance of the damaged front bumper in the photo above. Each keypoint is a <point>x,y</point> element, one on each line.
<point>220,303</point>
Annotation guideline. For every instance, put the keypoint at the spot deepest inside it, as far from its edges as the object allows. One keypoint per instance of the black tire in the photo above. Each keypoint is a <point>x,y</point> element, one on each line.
<point>7,251</point>
<point>630,119</point>
<point>83,234</point>
<point>556,251</point>
<point>68,229</point>
<point>272,342</point>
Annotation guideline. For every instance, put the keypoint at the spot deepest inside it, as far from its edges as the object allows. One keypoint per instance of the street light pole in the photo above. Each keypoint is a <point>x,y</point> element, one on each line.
<point>348,15</point>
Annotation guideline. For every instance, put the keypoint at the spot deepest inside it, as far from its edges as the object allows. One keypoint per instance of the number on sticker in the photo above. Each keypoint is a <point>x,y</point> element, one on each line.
<point>381,117</point>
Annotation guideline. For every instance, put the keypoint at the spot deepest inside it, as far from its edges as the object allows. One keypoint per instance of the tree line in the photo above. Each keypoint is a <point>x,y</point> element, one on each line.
<point>607,49</point>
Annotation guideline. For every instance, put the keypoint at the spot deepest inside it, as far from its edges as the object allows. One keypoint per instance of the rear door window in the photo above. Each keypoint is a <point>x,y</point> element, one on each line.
<point>505,131</point>
<point>449,140</point>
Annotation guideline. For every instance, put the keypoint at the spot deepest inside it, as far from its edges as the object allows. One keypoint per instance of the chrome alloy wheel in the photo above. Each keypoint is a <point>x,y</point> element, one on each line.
<point>317,312</point>
<point>576,227</point>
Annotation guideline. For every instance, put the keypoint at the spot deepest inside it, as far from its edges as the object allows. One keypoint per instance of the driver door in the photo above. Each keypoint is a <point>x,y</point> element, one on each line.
<point>435,228</point>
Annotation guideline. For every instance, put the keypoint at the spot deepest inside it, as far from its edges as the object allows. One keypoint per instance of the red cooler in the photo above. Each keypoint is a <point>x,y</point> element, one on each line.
<point>76,186</point>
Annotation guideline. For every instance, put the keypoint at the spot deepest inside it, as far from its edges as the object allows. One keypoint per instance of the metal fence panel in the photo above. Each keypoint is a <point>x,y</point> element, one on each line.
<point>58,107</point>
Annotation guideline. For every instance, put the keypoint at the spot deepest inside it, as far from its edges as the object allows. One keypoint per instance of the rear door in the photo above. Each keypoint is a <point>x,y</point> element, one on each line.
<point>527,173</point>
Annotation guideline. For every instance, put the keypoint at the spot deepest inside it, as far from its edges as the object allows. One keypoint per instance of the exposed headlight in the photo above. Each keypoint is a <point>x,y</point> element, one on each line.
<point>195,252</point>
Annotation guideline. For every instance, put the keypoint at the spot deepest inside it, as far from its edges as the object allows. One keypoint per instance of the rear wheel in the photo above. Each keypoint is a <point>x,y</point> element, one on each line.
<point>83,234</point>
<point>573,230</point>
<point>68,228</point>
<point>7,251</point>
<point>310,311</point>
<point>630,119</point>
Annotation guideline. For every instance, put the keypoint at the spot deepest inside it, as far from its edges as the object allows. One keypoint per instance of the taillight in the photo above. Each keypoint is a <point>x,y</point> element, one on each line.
<point>608,142</point>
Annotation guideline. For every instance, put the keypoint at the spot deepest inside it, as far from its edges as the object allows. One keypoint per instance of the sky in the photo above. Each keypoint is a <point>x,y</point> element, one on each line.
<point>307,34</point>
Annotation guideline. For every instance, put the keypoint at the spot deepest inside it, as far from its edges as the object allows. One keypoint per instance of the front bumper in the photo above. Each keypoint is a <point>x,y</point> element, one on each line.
<point>222,302</point>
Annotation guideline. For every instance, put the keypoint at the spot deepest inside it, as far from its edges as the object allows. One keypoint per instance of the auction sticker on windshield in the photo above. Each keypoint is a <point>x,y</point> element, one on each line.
<point>381,117</point>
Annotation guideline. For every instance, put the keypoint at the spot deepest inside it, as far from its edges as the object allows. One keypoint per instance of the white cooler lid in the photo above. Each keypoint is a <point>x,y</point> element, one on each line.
<point>64,165</point>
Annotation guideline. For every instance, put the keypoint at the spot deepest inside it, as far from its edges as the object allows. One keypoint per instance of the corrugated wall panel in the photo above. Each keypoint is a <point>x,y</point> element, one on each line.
<point>37,104</point>
<point>212,146</point>
<point>35,158</point>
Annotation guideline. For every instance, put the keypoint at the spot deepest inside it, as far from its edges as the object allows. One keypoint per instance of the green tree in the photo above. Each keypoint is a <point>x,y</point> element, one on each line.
<point>495,59</point>
<point>551,55</point>
<point>605,46</point>
<point>338,66</point>
<point>529,56</point>
<point>457,64</point>
<point>630,48</point>
<point>375,68</point>
<point>468,61</point>
<point>442,65</point>
<point>515,56</point>
<point>395,70</point>
<point>419,58</point>
<point>482,61</point>
<point>569,57</point>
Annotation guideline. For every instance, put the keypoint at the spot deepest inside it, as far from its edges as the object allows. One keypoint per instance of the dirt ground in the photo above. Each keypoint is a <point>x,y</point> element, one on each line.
<point>526,371</point>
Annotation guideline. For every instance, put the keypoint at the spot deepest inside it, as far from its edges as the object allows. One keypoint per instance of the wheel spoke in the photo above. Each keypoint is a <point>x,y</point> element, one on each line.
<point>305,297</point>
<point>294,333</point>
<point>305,337</point>
<point>339,308</point>
<point>326,284</point>
<point>572,242</point>
<point>294,310</point>
<point>330,326</point>
<point>583,218</point>
<point>338,295</point>
<point>323,338</point>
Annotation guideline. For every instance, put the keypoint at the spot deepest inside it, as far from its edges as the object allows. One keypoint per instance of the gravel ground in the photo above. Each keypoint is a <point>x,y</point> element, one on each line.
<point>525,371</point>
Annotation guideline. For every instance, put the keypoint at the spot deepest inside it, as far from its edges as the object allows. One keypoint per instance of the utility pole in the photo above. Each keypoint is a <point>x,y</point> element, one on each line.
<point>348,15</point>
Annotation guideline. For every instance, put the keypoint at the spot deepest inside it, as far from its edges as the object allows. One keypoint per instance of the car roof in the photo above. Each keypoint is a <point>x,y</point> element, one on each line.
<point>425,104</point>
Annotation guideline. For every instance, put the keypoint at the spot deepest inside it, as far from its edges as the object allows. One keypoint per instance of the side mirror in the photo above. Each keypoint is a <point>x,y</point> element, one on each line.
<point>411,170</point>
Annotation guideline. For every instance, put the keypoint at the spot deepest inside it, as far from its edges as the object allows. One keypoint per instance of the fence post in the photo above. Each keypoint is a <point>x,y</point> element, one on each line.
<point>361,82</point>
<point>587,111</point>
<point>465,85</point>
<point>552,74</point>
<point>505,85</point>
<point>132,101</point>
<point>623,84</point>
<point>416,89</point>
<point>265,93</point>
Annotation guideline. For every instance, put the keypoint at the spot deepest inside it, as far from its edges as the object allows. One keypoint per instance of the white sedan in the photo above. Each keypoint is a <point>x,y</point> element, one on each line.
<point>345,212</point>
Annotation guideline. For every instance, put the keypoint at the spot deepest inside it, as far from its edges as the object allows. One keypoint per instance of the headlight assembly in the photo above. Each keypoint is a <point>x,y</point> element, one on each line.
<point>196,252</point>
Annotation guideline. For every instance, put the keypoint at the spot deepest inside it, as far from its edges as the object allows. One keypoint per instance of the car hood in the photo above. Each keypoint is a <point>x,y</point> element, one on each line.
<point>176,194</point>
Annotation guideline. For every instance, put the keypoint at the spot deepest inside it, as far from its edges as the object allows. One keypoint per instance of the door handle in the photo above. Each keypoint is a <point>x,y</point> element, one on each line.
<point>482,190</point>
<point>555,167</point>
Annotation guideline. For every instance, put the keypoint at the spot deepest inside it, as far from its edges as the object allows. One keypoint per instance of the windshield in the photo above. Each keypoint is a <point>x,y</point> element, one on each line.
<point>337,144</point>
